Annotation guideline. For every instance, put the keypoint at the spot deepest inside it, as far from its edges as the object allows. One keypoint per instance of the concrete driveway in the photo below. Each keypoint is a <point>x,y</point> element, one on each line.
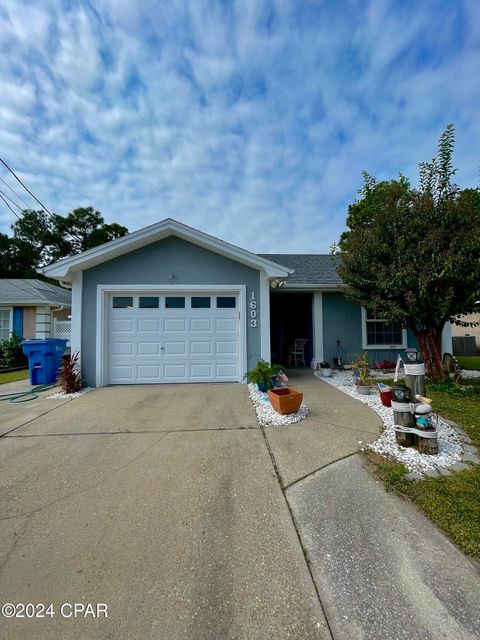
<point>161,502</point>
<point>169,505</point>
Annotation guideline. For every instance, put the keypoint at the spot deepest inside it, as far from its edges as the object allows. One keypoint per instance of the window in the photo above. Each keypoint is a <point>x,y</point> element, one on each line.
<point>147,302</point>
<point>200,303</point>
<point>174,303</point>
<point>5,328</point>
<point>226,302</point>
<point>378,332</point>
<point>122,302</point>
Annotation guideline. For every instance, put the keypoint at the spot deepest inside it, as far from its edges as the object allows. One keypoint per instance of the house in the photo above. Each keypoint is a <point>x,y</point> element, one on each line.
<point>472,346</point>
<point>33,309</point>
<point>169,303</point>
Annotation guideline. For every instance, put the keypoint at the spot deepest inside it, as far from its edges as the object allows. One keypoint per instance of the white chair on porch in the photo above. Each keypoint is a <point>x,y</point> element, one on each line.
<point>297,352</point>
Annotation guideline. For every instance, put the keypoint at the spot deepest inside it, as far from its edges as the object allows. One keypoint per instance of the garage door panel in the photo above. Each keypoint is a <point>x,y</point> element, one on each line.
<point>225,370</point>
<point>175,348</point>
<point>200,325</point>
<point>122,348</point>
<point>125,325</point>
<point>202,371</point>
<point>225,324</point>
<point>148,372</point>
<point>147,325</point>
<point>173,344</point>
<point>225,347</point>
<point>149,348</point>
<point>175,324</point>
<point>175,372</point>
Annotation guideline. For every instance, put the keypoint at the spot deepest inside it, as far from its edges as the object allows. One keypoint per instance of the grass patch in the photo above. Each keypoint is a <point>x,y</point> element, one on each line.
<point>452,502</point>
<point>14,376</point>
<point>469,362</point>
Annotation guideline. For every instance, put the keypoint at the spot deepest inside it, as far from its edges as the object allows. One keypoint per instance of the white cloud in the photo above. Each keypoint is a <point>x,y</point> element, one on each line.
<point>251,120</point>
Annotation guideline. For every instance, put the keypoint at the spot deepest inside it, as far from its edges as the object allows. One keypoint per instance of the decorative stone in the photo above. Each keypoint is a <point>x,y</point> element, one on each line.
<point>459,466</point>
<point>471,457</point>
<point>470,448</point>
<point>432,473</point>
<point>443,471</point>
<point>413,475</point>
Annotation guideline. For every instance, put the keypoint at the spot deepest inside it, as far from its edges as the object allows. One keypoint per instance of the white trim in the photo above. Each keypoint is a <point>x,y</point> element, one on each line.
<point>317,325</point>
<point>76,316</point>
<point>373,347</point>
<point>63,269</point>
<point>43,322</point>
<point>101,335</point>
<point>10,320</point>
<point>265,350</point>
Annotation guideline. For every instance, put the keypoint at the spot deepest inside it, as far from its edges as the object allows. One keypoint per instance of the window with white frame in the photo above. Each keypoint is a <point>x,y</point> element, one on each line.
<point>5,323</point>
<point>381,333</point>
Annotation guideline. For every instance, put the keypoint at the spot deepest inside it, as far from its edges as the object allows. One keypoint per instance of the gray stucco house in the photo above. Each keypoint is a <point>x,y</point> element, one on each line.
<point>169,303</point>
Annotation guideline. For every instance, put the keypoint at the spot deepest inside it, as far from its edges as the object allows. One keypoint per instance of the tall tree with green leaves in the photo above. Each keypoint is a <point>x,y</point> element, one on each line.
<point>413,254</point>
<point>39,239</point>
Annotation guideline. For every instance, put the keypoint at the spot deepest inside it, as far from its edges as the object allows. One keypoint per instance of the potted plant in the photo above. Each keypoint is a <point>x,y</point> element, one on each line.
<point>325,369</point>
<point>263,375</point>
<point>361,369</point>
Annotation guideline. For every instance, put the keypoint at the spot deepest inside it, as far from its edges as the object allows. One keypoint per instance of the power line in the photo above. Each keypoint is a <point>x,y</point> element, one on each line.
<point>10,199</point>
<point>25,187</point>
<point>9,207</point>
<point>17,194</point>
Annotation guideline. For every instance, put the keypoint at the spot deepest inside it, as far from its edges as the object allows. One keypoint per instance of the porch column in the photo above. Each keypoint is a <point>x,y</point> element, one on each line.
<point>43,322</point>
<point>317,326</point>
<point>265,317</point>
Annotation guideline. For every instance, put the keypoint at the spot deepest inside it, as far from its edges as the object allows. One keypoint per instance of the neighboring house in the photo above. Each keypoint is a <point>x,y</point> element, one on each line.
<point>34,309</point>
<point>168,303</point>
<point>461,332</point>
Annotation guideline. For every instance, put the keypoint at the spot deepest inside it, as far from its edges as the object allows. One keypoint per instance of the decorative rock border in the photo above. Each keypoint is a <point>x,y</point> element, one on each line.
<point>266,414</point>
<point>455,447</point>
<point>62,394</point>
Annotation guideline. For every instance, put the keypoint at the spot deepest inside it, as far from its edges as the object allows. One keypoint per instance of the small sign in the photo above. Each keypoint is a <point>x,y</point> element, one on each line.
<point>253,310</point>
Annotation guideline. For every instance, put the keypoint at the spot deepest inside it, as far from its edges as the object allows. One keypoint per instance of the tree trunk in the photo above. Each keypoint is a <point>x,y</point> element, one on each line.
<point>428,342</point>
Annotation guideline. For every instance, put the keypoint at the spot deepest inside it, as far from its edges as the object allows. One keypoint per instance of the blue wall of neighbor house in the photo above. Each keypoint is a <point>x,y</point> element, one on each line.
<point>154,264</point>
<point>342,319</point>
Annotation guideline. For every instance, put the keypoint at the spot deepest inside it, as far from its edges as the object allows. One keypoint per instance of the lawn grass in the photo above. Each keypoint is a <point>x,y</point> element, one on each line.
<point>452,502</point>
<point>469,362</point>
<point>13,376</point>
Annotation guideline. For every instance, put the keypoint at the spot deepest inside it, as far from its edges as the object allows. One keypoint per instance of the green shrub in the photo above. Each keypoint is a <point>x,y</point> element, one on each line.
<point>11,354</point>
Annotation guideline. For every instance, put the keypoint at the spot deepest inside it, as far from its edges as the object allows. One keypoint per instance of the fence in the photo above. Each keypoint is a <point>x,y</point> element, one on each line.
<point>62,329</point>
<point>464,346</point>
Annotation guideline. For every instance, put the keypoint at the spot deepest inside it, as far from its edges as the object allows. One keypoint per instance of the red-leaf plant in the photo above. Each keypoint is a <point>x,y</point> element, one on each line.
<point>69,376</point>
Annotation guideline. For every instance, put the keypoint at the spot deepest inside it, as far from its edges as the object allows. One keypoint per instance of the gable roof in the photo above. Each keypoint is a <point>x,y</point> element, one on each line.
<point>310,270</point>
<point>64,269</point>
<point>26,291</point>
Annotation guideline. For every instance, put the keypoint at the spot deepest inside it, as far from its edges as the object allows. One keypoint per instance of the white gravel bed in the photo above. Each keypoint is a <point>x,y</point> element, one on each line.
<point>266,414</point>
<point>62,394</point>
<point>470,373</point>
<point>449,444</point>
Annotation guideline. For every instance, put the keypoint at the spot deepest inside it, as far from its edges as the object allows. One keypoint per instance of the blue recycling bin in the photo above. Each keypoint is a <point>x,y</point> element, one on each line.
<point>44,358</point>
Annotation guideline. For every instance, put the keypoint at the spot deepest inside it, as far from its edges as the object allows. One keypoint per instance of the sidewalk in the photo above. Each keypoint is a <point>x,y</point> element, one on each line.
<point>337,426</point>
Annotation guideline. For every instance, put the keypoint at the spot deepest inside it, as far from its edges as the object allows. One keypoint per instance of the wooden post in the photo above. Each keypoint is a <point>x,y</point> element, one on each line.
<point>404,419</point>
<point>427,445</point>
<point>416,384</point>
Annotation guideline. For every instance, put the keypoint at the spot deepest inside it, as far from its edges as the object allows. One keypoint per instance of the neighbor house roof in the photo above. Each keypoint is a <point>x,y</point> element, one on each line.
<point>310,270</point>
<point>64,269</point>
<point>26,291</point>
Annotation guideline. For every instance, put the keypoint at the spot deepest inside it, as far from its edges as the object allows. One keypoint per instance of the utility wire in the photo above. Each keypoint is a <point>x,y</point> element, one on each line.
<point>14,213</point>
<point>17,194</point>
<point>25,187</point>
<point>10,199</point>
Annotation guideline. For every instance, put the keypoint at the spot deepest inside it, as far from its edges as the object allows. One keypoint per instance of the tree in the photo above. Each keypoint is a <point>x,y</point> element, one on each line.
<point>39,239</point>
<point>413,254</point>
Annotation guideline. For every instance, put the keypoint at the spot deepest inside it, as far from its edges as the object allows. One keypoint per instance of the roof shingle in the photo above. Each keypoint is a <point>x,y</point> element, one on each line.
<point>310,269</point>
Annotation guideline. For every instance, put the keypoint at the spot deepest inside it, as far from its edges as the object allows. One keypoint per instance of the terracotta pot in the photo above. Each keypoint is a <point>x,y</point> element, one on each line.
<point>285,400</point>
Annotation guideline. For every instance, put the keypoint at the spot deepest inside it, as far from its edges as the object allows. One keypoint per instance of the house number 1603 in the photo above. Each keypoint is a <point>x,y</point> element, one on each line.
<point>253,310</point>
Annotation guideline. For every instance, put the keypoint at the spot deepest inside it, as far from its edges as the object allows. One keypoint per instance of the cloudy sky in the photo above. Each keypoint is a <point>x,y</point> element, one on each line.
<point>251,120</point>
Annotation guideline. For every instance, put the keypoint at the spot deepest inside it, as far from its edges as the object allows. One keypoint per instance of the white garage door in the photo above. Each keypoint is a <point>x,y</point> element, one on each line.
<point>174,337</point>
